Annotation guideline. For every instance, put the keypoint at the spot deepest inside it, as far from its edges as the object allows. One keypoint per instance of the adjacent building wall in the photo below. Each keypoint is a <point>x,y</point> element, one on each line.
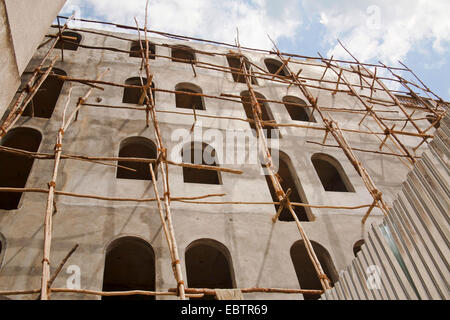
<point>23,24</point>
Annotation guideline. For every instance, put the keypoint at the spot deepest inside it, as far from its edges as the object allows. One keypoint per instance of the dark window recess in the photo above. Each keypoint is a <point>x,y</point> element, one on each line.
<point>187,101</point>
<point>235,63</point>
<point>306,273</point>
<point>270,132</point>
<point>129,265</point>
<point>274,65</point>
<point>136,147</point>
<point>297,109</point>
<point>208,265</point>
<point>135,50</point>
<point>134,95</point>
<point>183,54</point>
<point>15,168</point>
<point>44,101</point>
<point>70,41</point>
<point>432,119</point>
<point>196,155</point>
<point>357,246</point>
<point>287,182</point>
<point>331,173</point>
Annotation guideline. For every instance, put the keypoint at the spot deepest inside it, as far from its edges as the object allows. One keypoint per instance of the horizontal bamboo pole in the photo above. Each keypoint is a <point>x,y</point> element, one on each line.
<point>190,292</point>
<point>178,199</point>
<point>294,204</point>
<point>180,37</point>
<point>271,124</point>
<point>49,156</point>
<point>207,291</point>
<point>78,195</point>
<point>19,292</point>
<point>122,293</point>
<point>364,150</point>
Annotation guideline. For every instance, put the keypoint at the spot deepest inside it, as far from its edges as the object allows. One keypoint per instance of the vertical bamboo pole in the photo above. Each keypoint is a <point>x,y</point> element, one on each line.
<point>163,153</point>
<point>325,282</point>
<point>49,209</point>
<point>51,194</point>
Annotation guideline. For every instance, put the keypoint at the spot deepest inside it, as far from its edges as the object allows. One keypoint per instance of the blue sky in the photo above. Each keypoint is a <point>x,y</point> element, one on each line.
<point>417,32</point>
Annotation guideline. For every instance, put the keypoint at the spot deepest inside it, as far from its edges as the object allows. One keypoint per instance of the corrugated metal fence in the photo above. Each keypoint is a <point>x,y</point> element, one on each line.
<point>406,257</point>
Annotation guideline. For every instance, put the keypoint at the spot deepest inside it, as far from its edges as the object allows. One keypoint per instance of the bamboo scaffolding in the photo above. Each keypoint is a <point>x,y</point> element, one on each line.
<point>333,128</point>
<point>181,37</point>
<point>257,115</point>
<point>31,87</point>
<point>388,131</point>
<point>367,80</point>
<point>52,185</point>
<point>163,167</point>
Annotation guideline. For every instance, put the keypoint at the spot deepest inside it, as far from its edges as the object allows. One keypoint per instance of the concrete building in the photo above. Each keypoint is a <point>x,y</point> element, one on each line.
<point>220,245</point>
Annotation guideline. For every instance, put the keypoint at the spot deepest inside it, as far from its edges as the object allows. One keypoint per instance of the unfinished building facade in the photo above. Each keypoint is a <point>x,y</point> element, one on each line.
<point>109,143</point>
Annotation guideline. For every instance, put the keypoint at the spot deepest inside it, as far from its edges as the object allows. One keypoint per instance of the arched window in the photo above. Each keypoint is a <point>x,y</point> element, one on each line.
<point>129,265</point>
<point>204,154</point>
<point>136,95</point>
<point>183,54</point>
<point>15,168</point>
<point>187,101</point>
<point>431,119</point>
<point>357,246</point>
<point>270,132</point>
<point>44,101</point>
<point>136,147</point>
<point>235,62</point>
<point>135,50</point>
<point>297,109</point>
<point>276,67</point>
<point>306,273</point>
<point>289,180</point>
<point>331,173</point>
<point>70,41</point>
<point>209,265</point>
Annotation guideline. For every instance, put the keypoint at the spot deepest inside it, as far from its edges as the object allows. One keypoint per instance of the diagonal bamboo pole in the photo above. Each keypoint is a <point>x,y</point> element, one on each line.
<point>342,142</point>
<point>256,109</point>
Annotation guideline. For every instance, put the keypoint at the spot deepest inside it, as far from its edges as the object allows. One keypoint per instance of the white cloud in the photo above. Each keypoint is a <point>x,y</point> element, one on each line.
<point>383,29</point>
<point>214,20</point>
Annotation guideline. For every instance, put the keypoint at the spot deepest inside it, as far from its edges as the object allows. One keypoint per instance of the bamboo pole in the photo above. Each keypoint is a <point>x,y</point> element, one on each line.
<point>52,185</point>
<point>31,87</point>
<point>122,293</point>
<point>208,291</point>
<point>49,209</point>
<point>163,152</point>
<point>181,37</point>
<point>342,142</point>
<point>381,124</point>
<point>256,109</point>
<point>23,101</point>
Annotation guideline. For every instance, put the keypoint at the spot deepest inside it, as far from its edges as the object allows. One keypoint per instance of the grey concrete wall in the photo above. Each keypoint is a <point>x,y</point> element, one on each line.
<point>260,250</point>
<point>23,24</point>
